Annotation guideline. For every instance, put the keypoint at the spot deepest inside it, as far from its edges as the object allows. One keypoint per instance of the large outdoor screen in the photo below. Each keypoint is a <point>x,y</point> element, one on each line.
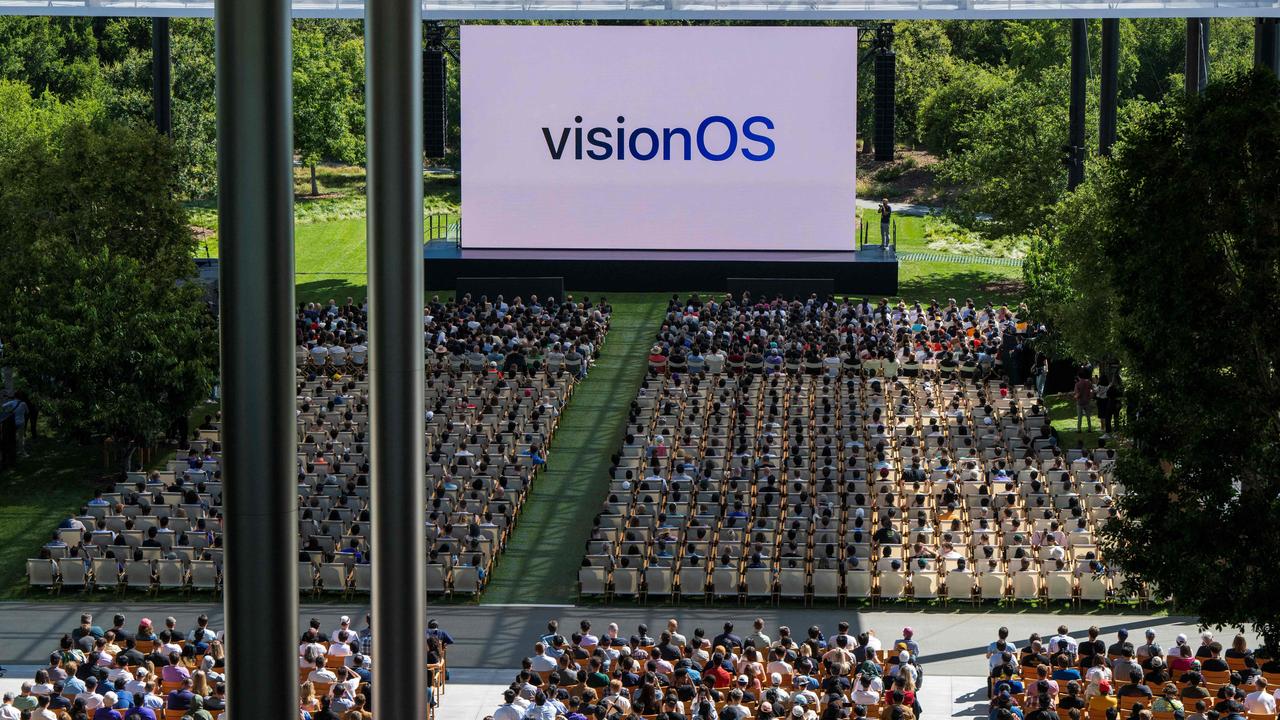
<point>658,138</point>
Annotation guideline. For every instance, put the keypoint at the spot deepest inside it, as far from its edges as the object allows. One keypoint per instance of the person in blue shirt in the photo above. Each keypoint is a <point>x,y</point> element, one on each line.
<point>434,630</point>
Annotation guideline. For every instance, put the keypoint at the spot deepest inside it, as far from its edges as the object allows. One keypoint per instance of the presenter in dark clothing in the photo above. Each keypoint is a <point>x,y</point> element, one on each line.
<point>886,214</point>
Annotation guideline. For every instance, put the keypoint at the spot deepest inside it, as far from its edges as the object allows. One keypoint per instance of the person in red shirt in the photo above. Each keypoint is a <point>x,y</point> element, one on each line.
<point>1083,395</point>
<point>716,670</point>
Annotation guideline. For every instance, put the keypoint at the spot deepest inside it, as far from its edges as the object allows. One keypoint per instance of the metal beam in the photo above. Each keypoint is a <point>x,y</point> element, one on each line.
<point>1110,85</point>
<point>255,232</point>
<point>624,10</point>
<point>1266,43</point>
<point>1075,126</point>
<point>161,96</point>
<point>393,97</point>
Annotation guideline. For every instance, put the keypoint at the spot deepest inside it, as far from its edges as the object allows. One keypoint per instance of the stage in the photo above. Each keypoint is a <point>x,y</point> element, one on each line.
<point>871,271</point>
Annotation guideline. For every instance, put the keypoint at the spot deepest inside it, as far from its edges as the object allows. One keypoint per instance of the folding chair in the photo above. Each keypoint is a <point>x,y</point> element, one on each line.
<point>42,573</point>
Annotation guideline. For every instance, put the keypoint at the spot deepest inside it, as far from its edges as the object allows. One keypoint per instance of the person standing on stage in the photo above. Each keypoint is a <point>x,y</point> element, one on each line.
<point>886,213</point>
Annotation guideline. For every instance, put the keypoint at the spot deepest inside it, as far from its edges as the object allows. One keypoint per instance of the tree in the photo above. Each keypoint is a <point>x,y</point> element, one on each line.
<point>56,55</point>
<point>100,325</point>
<point>1009,163</point>
<point>1180,231</point>
<point>328,98</point>
<point>965,90</point>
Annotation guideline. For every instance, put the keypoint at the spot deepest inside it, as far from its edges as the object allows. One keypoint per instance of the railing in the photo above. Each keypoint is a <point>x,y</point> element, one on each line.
<point>442,227</point>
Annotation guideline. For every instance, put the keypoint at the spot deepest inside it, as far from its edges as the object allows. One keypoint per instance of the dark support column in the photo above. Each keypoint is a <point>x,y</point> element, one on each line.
<point>160,95</point>
<point>1110,84</point>
<point>1196,71</point>
<point>255,231</point>
<point>1079,73</point>
<point>393,96</point>
<point>1266,44</point>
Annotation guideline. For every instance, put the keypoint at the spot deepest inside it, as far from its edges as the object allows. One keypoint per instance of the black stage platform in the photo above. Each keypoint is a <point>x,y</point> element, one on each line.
<point>864,272</point>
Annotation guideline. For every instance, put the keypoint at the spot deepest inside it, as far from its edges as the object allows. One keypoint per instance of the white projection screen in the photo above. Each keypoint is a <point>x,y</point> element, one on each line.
<point>732,138</point>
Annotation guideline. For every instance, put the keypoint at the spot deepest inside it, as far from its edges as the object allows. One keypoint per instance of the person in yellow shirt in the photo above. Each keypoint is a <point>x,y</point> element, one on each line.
<point>1100,703</point>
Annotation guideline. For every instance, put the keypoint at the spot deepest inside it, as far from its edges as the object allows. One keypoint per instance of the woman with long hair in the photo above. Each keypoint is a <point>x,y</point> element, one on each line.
<point>307,699</point>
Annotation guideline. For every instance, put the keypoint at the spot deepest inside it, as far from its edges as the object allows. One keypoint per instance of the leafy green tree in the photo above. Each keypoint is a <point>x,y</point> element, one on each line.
<point>328,98</point>
<point>1009,163</point>
<point>1180,234</point>
<point>965,90</point>
<point>100,326</point>
<point>923,53</point>
<point>56,55</point>
<point>195,122</point>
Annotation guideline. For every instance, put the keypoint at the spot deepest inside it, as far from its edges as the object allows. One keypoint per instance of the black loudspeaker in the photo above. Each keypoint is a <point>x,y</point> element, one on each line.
<point>434,119</point>
<point>885,93</point>
<point>511,287</point>
<point>788,288</point>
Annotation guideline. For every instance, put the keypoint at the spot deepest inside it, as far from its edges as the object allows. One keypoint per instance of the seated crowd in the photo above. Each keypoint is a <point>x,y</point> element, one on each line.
<point>1065,678</point>
<point>149,673</point>
<point>834,449</point>
<point>725,677</point>
<point>498,376</point>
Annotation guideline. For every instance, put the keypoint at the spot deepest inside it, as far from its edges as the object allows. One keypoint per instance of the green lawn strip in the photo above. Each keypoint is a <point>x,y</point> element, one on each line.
<point>1062,416</point>
<point>540,563</point>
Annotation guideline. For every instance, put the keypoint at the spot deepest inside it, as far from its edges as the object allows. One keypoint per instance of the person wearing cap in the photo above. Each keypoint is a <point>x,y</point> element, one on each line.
<point>145,631</point>
<point>1102,700</point>
<point>908,639</point>
<point>90,697</point>
<point>344,625</point>
<point>1122,642</point>
<point>107,711</point>
<point>1148,649</point>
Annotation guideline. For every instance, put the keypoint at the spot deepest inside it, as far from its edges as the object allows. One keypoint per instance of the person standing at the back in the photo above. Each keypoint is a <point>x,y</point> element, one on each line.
<point>1083,395</point>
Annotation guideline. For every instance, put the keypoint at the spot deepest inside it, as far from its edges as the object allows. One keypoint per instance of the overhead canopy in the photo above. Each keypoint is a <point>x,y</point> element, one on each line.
<point>686,10</point>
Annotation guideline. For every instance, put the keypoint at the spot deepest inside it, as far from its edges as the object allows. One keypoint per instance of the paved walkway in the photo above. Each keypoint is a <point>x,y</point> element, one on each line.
<point>490,636</point>
<point>540,562</point>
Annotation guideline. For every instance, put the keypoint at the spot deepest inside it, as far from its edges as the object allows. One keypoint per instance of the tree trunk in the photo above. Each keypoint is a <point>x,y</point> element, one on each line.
<point>314,189</point>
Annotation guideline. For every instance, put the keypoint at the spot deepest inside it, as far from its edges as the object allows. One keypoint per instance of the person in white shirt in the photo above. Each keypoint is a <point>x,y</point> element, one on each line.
<point>510,710</point>
<point>344,625</point>
<point>341,646</point>
<point>542,662</point>
<point>1260,702</point>
<point>7,710</point>
<point>864,693</point>
<point>92,700</point>
<point>322,674</point>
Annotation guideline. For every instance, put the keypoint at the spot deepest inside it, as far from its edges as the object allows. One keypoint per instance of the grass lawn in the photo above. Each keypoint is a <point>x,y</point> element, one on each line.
<point>47,487</point>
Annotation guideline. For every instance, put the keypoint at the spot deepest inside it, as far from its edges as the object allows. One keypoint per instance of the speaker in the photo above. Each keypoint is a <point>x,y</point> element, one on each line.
<point>885,97</point>
<point>787,288</point>
<point>434,119</point>
<point>510,287</point>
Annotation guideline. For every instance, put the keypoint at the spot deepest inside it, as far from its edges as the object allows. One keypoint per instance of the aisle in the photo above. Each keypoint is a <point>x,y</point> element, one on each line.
<point>540,563</point>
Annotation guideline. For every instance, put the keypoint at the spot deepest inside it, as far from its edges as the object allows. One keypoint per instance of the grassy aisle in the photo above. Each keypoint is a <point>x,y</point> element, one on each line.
<point>540,564</point>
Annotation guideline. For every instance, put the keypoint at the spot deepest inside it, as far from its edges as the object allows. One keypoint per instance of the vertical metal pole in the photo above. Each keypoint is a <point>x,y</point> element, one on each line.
<point>1110,84</point>
<point>393,47</point>
<point>1079,72</point>
<point>161,97</point>
<point>255,228</point>
<point>1266,44</point>
<point>1196,72</point>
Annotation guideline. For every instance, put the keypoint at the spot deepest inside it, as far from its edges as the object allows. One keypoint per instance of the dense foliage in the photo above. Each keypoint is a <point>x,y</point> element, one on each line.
<point>1168,259</point>
<point>962,87</point>
<point>98,322</point>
